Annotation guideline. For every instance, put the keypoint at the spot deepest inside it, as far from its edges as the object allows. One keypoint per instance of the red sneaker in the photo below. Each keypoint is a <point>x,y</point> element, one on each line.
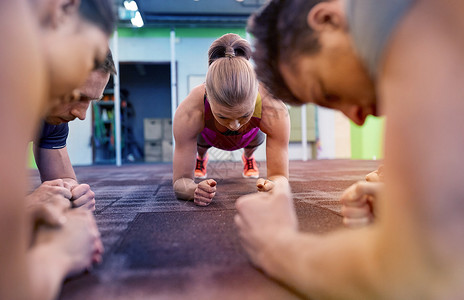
<point>250,169</point>
<point>200,169</point>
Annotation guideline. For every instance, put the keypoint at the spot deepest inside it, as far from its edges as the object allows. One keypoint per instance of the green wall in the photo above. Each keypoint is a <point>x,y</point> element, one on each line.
<point>180,32</point>
<point>30,157</point>
<point>367,140</point>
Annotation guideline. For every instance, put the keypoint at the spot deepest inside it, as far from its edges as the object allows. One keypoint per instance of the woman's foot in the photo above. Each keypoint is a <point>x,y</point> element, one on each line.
<point>200,168</point>
<point>250,169</point>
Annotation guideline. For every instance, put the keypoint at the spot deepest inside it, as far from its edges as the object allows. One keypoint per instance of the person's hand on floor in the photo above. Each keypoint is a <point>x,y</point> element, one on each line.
<point>205,192</point>
<point>48,203</point>
<point>264,185</point>
<point>83,196</point>
<point>76,244</point>
<point>359,202</point>
<point>55,191</point>
<point>376,176</point>
<point>264,218</point>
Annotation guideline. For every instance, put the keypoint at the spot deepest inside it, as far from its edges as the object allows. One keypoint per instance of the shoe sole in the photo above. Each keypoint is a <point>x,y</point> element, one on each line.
<point>201,177</point>
<point>252,176</point>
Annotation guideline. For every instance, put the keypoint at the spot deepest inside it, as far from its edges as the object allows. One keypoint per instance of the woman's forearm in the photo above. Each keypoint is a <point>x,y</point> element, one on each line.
<point>274,177</point>
<point>184,188</point>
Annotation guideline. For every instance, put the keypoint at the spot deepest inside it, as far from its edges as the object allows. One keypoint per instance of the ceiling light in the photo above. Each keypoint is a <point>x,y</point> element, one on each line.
<point>137,21</point>
<point>131,5</point>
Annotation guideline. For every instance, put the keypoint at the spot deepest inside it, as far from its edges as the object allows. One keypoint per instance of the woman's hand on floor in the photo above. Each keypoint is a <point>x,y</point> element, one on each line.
<point>205,192</point>
<point>264,185</point>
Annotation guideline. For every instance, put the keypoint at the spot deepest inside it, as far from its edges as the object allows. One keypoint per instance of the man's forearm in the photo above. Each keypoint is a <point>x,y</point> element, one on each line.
<point>53,164</point>
<point>184,188</point>
<point>340,265</point>
<point>274,177</point>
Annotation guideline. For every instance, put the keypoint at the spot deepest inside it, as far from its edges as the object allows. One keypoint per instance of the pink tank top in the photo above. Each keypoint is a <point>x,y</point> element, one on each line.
<point>231,140</point>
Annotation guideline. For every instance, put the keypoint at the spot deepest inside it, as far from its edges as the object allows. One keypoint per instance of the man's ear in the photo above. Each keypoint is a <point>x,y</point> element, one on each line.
<point>62,9</point>
<point>326,15</point>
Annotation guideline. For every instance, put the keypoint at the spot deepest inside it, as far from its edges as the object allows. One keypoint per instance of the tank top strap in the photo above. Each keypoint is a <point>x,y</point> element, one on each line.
<point>207,114</point>
<point>258,107</point>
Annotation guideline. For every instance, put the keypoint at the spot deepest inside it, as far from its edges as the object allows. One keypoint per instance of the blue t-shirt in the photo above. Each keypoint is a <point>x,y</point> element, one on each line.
<point>53,136</point>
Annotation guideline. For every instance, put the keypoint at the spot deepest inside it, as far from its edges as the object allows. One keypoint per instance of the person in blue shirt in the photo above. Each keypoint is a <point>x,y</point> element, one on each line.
<point>50,152</point>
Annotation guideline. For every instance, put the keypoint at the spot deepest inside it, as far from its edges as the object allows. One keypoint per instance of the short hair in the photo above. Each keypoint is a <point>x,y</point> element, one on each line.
<point>100,13</point>
<point>230,79</point>
<point>108,65</point>
<point>281,33</point>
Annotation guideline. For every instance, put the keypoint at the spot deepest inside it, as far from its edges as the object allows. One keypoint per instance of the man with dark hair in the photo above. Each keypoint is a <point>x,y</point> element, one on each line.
<point>271,48</point>
<point>50,150</point>
<point>405,59</point>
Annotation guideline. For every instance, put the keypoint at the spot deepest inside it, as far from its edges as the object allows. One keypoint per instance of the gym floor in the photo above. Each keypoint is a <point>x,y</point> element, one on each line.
<point>157,247</point>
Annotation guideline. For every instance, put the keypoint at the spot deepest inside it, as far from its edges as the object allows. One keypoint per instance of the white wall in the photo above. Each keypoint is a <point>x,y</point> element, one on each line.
<point>191,55</point>
<point>79,140</point>
<point>130,49</point>
<point>342,130</point>
<point>334,134</point>
<point>326,127</point>
<point>143,49</point>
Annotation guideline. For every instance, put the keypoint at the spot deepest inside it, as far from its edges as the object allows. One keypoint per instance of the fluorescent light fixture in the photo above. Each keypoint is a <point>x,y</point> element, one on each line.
<point>137,20</point>
<point>125,14</point>
<point>131,5</point>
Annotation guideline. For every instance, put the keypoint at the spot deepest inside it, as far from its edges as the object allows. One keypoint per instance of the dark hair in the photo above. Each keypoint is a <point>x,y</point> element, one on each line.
<point>230,79</point>
<point>108,65</point>
<point>100,13</point>
<point>281,34</point>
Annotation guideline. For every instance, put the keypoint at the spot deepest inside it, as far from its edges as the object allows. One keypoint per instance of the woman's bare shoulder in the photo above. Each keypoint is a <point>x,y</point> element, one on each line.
<point>274,118</point>
<point>271,105</point>
<point>189,114</point>
<point>195,100</point>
